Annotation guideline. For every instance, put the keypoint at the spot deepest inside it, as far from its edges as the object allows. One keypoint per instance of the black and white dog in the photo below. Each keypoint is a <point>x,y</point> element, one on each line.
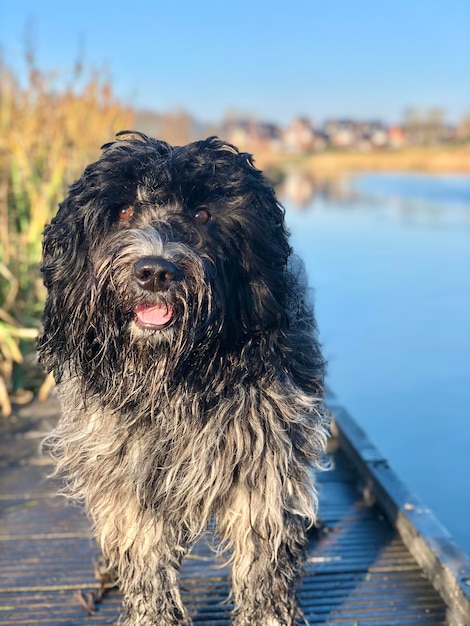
<point>189,372</point>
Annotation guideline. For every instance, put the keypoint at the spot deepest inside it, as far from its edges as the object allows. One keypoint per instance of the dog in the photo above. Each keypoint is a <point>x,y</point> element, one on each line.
<point>184,347</point>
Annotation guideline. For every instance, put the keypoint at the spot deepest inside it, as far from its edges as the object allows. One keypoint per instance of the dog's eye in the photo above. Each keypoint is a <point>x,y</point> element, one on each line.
<point>202,216</point>
<point>125,213</point>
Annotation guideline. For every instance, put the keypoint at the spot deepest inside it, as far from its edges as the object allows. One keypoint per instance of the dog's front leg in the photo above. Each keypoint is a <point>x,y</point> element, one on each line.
<point>149,580</point>
<point>268,548</point>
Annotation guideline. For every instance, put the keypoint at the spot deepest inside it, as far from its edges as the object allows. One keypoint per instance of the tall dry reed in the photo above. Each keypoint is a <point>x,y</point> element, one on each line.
<point>48,133</point>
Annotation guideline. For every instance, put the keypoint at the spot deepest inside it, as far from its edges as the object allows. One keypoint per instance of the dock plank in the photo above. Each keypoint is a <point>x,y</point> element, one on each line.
<point>358,571</point>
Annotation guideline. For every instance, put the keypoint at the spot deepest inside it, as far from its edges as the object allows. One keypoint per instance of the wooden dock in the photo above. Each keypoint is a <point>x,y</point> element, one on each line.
<point>380,557</point>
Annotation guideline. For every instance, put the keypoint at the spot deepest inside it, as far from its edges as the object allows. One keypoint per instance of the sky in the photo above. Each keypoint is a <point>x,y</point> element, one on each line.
<point>271,60</point>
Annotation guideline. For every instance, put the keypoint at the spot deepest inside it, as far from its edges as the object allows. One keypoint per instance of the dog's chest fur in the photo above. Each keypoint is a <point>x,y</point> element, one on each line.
<point>179,462</point>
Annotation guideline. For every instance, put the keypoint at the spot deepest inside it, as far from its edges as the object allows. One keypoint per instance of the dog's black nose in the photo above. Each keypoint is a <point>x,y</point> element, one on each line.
<point>154,273</point>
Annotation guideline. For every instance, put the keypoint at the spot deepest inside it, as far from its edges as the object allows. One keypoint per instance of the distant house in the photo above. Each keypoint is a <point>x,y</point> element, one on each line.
<point>396,137</point>
<point>299,136</point>
<point>252,135</point>
<point>370,135</point>
<point>356,135</point>
<point>340,133</point>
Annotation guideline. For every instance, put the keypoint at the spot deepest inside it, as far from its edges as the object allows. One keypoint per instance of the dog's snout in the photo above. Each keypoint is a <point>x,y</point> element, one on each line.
<point>154,273</point>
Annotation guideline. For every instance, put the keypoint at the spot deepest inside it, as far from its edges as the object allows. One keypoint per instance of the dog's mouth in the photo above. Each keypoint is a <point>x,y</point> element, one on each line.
<point>154,317</point>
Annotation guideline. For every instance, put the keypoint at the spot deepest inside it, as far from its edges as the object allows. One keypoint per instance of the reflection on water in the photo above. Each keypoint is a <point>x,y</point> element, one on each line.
<point>389,258</point>
<point>300,188</point>
<point>412,196</point>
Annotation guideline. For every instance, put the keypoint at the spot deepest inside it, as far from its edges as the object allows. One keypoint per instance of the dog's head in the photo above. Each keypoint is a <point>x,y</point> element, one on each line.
<point>163,249</point>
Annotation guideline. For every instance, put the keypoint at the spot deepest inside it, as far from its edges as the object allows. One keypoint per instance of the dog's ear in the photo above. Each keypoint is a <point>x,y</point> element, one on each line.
<point>63,264</point>
<point>265,252</point>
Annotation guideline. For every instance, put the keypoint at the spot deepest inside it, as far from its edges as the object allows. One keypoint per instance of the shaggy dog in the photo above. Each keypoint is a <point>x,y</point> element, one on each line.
<point>185,354</point>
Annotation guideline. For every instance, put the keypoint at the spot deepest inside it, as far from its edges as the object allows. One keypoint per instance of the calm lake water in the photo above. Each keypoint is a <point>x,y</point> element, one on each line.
<point>389,259</point>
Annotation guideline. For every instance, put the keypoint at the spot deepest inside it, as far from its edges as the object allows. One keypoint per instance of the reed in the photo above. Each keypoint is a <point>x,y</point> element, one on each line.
<point>49,131</point>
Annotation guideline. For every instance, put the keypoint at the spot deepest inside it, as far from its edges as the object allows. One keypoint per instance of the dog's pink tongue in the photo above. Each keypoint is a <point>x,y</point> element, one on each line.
<point>154,315</point>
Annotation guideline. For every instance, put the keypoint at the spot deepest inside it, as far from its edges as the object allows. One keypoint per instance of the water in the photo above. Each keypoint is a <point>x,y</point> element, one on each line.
<point>389,260</point>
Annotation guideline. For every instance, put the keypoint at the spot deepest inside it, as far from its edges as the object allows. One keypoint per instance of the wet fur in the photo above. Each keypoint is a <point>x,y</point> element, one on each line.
<point>220,415</point>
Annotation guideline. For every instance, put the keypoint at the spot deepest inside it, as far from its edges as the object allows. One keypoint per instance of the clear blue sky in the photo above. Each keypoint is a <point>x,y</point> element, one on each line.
<point>273,59</point>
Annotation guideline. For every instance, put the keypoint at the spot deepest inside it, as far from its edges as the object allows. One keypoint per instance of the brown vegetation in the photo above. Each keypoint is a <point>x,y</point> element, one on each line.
<point>47,135</point>
<point>435,160</point>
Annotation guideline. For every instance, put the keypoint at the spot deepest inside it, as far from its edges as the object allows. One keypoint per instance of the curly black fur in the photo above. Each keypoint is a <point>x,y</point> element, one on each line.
<point>218,411</point>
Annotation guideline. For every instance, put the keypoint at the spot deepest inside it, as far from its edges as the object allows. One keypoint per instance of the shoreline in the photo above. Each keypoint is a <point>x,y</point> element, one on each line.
<point>330,164</point>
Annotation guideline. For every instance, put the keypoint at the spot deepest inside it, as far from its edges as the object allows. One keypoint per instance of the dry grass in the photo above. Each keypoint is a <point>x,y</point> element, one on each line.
<point>47,136</point>
<point>432,160</point>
